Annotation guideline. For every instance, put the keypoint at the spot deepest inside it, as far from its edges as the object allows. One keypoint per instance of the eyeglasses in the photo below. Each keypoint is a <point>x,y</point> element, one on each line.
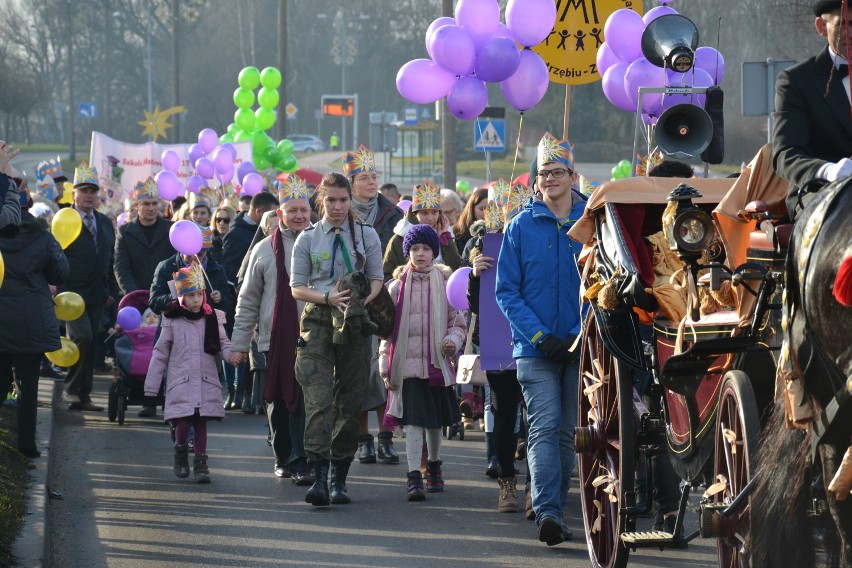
<point>555,174</point>
<point>223,220</point>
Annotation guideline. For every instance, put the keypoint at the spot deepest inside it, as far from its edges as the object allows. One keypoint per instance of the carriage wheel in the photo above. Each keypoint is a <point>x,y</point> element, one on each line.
<point>112,402</point>
<point>122,407</point>
<point>605,444</point>
<point>737,434</point>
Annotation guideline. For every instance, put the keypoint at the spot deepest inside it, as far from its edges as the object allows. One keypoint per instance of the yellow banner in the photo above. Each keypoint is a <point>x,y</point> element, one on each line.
<point>571,48</point>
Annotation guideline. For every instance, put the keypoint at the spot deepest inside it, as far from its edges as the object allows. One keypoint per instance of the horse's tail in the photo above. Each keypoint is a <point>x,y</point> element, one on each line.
<point>780,535</point>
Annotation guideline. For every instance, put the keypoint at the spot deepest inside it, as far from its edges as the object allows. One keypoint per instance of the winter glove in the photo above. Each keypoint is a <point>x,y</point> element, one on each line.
<point>558,349</point>
<point>835,171</point>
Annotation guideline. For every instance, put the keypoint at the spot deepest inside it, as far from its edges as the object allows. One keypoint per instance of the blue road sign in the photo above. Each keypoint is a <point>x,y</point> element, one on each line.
<point>410,116</point>
<point>489,135</point>
<point>88,110</point>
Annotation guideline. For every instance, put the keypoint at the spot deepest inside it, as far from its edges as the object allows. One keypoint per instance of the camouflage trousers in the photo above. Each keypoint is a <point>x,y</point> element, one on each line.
<point>333,377</point>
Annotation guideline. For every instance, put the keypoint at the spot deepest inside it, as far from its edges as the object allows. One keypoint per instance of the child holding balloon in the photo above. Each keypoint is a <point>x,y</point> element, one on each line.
<point>415,361</point>
<point>192,338</point>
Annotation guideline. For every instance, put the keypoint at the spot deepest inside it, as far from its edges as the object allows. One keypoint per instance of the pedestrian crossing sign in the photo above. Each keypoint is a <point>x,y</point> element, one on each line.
<point>489,135</point>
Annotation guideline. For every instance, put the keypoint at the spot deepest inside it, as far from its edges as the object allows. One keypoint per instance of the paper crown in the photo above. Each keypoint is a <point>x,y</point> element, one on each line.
<point>362,160</point>
<point>49,168</point>
<point>645,164</point>
<point>518,198</point>
<point>293,187</point>
<point>189,279</point>
<point>426,196</point>
<point>46,188</point>
<point>85,174</point>
<point>206,237</point>
<point>504,202</point>
<point>23,190</point>
<point>146,189</point>
<point>205,197</point>
<point>550,149</point>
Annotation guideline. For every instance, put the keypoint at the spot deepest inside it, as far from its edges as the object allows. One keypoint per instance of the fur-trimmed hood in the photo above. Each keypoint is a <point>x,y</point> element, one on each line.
<point>445,270</point>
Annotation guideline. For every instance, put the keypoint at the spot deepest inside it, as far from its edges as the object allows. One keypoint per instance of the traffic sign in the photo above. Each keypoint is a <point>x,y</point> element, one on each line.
<point>291,110</point>
<point>489,135</point>
<point>88,110</point>
<point>410,116</point>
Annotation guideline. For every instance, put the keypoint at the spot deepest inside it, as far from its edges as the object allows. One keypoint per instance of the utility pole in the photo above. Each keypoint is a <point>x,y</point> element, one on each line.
<point>175,67</point>
<point>282,66</point>
<point>448,131</point>
<point>72,125</point>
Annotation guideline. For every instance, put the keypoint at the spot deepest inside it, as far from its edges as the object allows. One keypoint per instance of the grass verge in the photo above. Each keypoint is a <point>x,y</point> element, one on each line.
<point>14,477</point>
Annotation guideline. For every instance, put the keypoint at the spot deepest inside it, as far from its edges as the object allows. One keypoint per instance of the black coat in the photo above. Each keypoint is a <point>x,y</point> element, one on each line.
<point>161,294</point>
<point>33,260</point>
<point>811,128</point>
<point>136,259</point>
<point>236,245</point>
<point>92,274</point>
<point>386,219</point>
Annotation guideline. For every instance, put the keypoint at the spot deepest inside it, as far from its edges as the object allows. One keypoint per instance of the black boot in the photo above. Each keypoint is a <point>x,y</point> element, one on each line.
<point>366,449</point>
<point>434,479</point>
<point>317,495</point>
<point>415,486</point>
<point>229,402</point>
<point>493,468</point>
<point>339,470</point>
<point>182,461</point>
<point>385,451</point>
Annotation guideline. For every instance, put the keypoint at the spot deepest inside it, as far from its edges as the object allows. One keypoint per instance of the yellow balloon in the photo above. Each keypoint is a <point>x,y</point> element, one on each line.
<point>69,306</point>
<point>66,355</point>
<point>2,269</point>
<point>66,226</point>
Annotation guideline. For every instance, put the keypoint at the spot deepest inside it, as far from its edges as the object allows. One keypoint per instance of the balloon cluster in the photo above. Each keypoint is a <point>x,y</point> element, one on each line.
<point>251,125</point>
<point>474,48</point>
<point>624,69</point>
<point>621,169</point>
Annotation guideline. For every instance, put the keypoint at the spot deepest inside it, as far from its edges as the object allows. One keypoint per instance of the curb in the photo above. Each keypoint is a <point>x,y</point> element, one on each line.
<point>30,548</point>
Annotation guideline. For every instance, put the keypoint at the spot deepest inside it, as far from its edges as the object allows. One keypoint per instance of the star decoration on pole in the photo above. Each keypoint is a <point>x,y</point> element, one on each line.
<point>156,123</point>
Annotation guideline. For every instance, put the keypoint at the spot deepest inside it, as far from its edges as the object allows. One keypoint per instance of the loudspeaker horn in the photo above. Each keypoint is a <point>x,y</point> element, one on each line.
<point>684,131</point>
<point>670,41</point>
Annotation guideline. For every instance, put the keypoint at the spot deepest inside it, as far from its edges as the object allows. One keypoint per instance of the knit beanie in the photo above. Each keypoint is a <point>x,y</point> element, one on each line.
<point>421,235</point>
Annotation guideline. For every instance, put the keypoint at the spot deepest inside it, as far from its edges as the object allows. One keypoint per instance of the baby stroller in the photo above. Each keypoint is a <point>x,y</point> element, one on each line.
<point>133,351</point>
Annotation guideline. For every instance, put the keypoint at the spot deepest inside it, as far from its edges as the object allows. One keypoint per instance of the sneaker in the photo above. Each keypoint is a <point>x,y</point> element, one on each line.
<point>550,531</point>
<point>50,372</point>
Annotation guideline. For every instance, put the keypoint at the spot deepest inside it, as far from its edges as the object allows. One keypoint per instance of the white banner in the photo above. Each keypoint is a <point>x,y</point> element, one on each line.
<point>121,165</point>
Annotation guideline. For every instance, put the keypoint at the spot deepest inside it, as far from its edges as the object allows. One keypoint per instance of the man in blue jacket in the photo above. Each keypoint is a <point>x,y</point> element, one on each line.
<point>538,289</point>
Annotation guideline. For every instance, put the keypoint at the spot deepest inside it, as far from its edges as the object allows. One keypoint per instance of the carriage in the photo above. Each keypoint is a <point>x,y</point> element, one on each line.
<point>683,283</point>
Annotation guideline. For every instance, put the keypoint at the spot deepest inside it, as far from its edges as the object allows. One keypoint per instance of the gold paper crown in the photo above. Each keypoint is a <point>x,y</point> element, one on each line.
<point>499,191</point>
<point>362,160</point>
<point>205,196</point>
<point>206,237</point>
<point>518,198</point>
<point>189,279</point>
<point>550,149</point>
<point>293,187</point>
<point>85,175</point>
<point>146,189</point>
<point>426,196</point>
<point>506,204</point>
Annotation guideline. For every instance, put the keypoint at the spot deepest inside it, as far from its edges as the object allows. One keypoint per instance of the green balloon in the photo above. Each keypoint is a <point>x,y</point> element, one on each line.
<point>226,138</point>
<point>242,136</point>
<point>249,78</point>
<point>243,97</point>
<point>233,129</point>
<point>272,155</point>
<point>264,118</point>
<point>285,147</point>
<point>244,118</point>
<point>463,186</point>
<point>618,173</point>
<point>625,164</point>
<point>261,163</point>
<point>270,78</point>
<point>289,163</point>
<point>267,98</point>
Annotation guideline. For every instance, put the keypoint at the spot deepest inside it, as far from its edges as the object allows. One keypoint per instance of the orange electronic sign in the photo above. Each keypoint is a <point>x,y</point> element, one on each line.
<point>338,106</point>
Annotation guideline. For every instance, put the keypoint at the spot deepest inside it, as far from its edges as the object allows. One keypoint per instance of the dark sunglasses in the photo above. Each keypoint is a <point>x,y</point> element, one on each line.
<point>223,220</point>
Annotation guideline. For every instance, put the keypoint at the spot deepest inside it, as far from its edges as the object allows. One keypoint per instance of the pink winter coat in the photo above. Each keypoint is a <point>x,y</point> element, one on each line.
<point>193,376</point>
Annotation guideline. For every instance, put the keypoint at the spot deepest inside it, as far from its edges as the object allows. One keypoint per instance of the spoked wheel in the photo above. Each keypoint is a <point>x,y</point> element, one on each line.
<point>112,402</point>
<point>122,406</point>
<point>737,434</point>
<point>605,444</point>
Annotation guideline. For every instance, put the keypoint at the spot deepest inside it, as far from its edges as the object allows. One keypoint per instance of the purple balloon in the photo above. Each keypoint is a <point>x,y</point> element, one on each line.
<point>121,219</point>
<point>231,149</point>
<point>170,161</point>
<point>709,59</point>
<point>527,86</point>
<point>531,21</point>
<point>700,78</point>
<point>457,288</point>
<point>252,184</point>
<point>422,81</point>
<point>185,237</point>
<point>243,170</point>
<point>503,31</point>
<point>128,318</point>
<point>655,13</point>
<point>443,21</point>
<point>227,175</point>
<point>498,60</point>
<point>453,50</point>
<point>479,18</point>
<point>195,152</point>
<point>606,58</point>
<point>222,160</point>
<point>468,98</point>
<point>194,183</point>
<point>649,119</point>
<point>404,204</point>
<point>643,73</point>
<point>205,168</point>
<point>623,32</point>
<point>613,87</point>
<point>168,185</point>
<point>208,139</point>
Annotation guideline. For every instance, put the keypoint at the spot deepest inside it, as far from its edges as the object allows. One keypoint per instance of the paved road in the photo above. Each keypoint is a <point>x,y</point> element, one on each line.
<point>123,507</point>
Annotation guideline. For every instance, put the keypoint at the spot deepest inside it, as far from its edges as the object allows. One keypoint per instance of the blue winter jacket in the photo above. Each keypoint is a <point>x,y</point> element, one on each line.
<point>537,278</point>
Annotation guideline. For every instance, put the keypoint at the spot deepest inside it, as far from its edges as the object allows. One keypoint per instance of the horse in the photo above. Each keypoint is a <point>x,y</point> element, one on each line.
<point>810,428</point>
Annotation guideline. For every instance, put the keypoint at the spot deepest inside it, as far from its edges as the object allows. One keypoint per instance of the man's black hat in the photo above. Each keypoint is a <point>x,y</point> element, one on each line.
<point>821,7</point>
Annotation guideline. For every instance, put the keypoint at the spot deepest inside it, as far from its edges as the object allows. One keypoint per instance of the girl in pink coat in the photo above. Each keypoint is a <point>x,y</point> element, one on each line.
<point>415,361</point>
<point>191,341</point>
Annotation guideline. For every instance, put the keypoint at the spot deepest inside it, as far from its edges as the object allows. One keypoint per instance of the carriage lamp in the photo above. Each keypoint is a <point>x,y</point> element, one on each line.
<point>692,230</point>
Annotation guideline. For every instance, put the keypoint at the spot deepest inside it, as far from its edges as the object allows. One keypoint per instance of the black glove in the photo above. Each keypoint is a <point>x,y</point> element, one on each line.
<point>558,349</point>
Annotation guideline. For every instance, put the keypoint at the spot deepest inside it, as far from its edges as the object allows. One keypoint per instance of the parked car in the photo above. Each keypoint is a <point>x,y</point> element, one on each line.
<point>307,143</point>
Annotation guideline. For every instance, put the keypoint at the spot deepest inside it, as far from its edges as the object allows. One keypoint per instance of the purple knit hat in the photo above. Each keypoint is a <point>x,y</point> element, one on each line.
<point>421,235</point>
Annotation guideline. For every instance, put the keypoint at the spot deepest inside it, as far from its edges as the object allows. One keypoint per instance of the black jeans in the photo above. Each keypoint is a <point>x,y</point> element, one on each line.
<point>505,396</point>
<point>288,435</point>
<point>23,368</point>
<point>84,331</point>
